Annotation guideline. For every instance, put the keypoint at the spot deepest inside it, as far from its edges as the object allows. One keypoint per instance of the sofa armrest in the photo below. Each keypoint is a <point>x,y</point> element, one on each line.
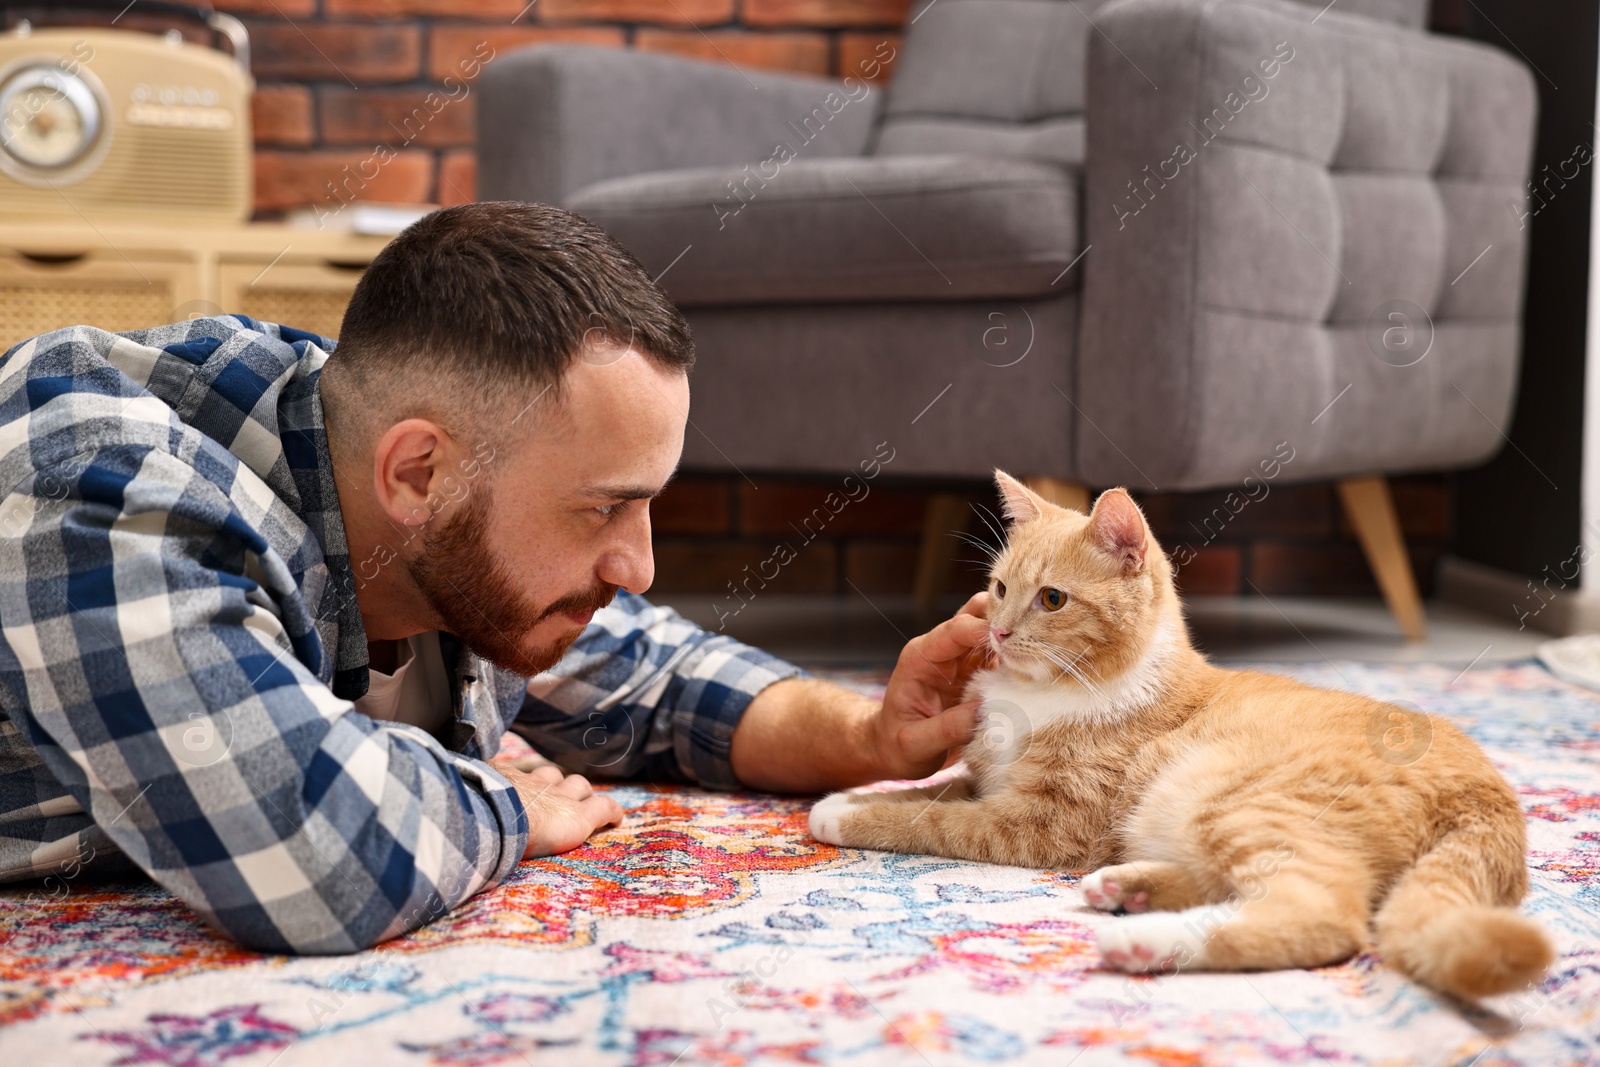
<point>552,120</point>
<point>1257,221</point>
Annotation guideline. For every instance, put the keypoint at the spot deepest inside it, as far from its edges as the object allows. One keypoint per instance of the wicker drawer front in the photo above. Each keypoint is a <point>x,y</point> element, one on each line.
<point>111,293</point>
<point>307,296</point>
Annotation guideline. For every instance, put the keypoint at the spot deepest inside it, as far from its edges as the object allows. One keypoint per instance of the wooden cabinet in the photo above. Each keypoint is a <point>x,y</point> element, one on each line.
<point>126,278</point>
<point>310,294</point>
<point>44,292</point>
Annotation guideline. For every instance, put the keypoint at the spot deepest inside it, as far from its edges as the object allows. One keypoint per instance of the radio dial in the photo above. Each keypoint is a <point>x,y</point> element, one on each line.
<point>48,117</point>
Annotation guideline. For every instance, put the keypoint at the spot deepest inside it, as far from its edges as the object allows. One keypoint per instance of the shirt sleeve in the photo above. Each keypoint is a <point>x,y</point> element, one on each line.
<point>155,652</point>
<point>644,692</point>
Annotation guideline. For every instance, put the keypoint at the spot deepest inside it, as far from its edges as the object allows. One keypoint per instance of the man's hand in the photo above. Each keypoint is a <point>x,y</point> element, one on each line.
<point>563,809</point>
<point>923,716</point>
<point>807,735</point>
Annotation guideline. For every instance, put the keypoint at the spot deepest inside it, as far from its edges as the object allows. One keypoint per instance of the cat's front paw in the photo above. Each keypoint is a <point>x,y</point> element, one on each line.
<point>827,818</point>
<point>1160,941</point>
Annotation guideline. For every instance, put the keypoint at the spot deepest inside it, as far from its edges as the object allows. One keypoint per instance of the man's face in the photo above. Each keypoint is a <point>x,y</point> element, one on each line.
<point>520,566</point>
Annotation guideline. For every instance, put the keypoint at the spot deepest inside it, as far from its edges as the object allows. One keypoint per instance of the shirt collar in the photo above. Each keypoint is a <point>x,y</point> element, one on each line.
<point>305,445</point>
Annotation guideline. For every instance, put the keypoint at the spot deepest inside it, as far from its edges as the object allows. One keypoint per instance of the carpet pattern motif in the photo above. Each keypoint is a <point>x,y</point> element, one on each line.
<point>711,929</point>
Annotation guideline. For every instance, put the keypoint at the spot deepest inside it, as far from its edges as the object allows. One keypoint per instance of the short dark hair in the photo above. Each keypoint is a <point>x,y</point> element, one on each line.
<point>505,292</point>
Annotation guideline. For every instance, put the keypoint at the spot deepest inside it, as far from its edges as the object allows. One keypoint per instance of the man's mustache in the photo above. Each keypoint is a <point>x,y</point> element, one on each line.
<point>578,603</point>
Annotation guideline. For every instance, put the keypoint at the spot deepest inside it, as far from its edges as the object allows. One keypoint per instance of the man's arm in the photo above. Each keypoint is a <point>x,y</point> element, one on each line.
<point>810,736</point>
<point>646,693</point>
<point>159,652</point>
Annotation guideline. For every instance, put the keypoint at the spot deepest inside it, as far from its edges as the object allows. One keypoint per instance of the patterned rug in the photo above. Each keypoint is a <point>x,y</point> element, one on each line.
<point>711,930</point>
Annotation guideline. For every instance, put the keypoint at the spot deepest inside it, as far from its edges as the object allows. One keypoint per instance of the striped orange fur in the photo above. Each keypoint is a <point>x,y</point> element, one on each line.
<point>1244,820</point>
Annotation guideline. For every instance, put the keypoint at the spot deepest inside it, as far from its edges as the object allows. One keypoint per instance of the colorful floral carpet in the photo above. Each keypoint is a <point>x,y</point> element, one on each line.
<point>710,929</point>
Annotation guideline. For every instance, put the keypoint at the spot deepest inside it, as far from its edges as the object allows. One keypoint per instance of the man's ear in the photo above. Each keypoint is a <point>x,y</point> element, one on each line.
<point>1018,503</point>
<point>407,461</point>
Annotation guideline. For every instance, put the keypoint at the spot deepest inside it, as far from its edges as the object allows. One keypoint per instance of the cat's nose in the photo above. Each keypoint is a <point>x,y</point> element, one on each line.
<point>999,634</point>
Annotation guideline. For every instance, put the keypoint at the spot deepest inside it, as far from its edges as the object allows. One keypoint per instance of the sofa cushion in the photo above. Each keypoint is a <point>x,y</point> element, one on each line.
<point>831,230</point>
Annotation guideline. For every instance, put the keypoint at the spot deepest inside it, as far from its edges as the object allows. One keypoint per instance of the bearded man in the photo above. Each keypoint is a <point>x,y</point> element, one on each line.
<point>268,604</point>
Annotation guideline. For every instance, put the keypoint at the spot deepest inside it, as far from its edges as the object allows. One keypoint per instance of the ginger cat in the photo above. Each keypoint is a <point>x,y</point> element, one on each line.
<point>1247,820</point>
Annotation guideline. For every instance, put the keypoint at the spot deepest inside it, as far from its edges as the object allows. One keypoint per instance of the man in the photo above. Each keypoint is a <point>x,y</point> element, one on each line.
<point>267,613</point>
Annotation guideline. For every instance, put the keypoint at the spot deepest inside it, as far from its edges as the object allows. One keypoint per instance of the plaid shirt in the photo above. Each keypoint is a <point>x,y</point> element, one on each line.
<point>182,643</point>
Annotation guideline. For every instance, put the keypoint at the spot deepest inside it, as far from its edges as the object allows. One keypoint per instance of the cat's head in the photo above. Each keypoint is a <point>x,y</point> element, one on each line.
<point>1074,596</point>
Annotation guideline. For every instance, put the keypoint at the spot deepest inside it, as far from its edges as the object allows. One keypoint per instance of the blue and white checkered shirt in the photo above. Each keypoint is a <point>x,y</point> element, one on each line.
<point>182,643</point>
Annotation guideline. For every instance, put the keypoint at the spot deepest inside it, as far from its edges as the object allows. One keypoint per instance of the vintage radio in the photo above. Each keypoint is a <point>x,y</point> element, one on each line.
<point>114,125</point>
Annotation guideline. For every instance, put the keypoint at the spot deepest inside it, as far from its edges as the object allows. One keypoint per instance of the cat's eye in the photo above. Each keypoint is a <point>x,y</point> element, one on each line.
<point>1000,590</point>
<point>1052,599</point>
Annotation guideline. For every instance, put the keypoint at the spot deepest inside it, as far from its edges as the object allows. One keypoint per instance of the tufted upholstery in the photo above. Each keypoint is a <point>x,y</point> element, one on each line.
<point>603,113</point>
<point>991,77</point>
<point>1229,298</point>
<point>1006,77</point>
<point>970,227</point>
<point>909,255</point>
<point>1413,13</point>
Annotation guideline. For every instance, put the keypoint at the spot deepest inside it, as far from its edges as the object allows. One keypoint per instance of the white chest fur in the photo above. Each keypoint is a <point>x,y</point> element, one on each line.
<point>1015,709</point>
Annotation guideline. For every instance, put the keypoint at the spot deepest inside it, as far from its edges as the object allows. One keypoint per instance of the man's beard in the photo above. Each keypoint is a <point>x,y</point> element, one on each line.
<point>474,596</point>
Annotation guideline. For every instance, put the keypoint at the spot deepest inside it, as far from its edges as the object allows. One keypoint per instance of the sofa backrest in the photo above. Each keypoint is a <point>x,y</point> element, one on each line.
<point>990,77</point>
<point>1413,13</point>
<point>1006,77</point>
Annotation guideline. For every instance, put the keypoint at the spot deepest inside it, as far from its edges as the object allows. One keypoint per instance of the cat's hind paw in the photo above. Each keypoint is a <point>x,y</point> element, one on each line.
<point>1160,941</point>
<point>827,818</point>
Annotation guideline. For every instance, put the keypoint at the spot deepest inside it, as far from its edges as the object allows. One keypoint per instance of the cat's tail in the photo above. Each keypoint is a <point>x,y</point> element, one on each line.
<point>1446,923</point>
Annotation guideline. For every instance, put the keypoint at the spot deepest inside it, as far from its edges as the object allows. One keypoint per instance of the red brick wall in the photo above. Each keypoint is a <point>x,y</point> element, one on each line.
<point>1292,541</point>
<point>338,77</point>
<point>335,78</point>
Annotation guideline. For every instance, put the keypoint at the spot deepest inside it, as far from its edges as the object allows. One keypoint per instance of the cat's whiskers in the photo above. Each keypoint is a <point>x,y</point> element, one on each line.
<point>1070,669</point>
<point>992,552</point>
<point>985,515</point>
<point>1065,670</point>
<point>1078,662</point>
<point>1082,655</point>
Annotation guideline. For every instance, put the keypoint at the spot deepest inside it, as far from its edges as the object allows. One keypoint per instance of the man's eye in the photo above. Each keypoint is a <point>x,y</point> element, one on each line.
<point>608,510</point>
<point>1000,590</point>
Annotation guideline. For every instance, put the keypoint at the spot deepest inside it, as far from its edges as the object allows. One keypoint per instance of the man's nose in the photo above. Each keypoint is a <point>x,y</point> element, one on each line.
<point>629,562</point>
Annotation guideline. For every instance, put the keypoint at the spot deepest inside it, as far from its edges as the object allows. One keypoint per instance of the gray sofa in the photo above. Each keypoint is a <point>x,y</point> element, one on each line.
<point>1140,243</point>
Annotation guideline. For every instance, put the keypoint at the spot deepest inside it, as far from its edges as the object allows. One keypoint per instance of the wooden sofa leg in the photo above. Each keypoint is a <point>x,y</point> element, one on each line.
<point>1064,494</point>
<point>946,514</point>
<point>1371,509</point>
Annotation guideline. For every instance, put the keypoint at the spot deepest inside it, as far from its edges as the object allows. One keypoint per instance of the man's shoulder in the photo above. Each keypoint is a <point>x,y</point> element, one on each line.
<point>224,377</point>
<point>164,361</point>
<point>208,433</point>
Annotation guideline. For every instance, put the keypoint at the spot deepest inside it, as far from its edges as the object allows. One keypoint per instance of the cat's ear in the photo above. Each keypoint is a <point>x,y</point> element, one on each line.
<point>1018,503</point>
<point>1118,527</point>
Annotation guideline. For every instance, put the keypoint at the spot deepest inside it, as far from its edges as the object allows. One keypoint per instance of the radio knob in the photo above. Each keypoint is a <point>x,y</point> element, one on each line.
<point>48,117</point>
